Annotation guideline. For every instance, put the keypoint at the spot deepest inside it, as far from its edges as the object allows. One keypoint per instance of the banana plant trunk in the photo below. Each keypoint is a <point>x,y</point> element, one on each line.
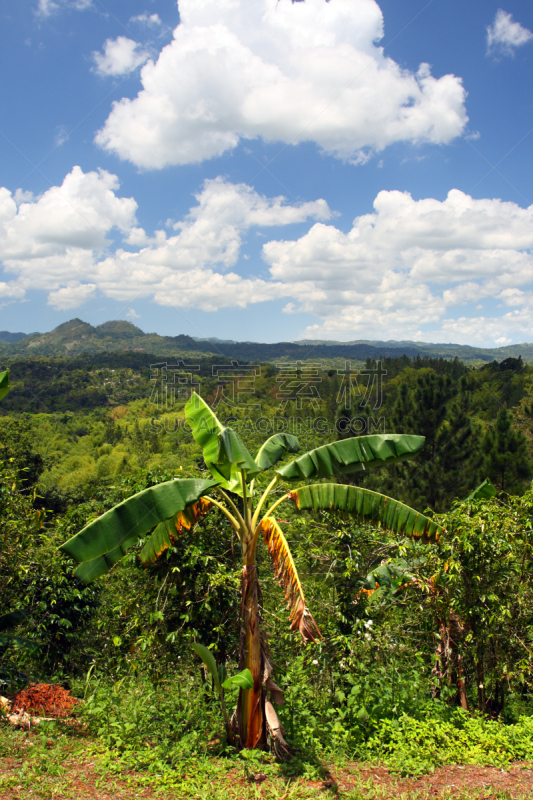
<point>251,720</point>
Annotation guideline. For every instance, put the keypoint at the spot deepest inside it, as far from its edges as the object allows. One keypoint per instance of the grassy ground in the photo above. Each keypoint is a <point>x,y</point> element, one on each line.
<point>61,762</point>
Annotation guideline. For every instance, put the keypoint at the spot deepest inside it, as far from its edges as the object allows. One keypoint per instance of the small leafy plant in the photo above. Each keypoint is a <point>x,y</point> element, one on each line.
<point>243,680</point>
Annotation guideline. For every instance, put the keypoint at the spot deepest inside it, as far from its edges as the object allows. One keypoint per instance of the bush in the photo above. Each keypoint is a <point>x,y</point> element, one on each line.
<point>414,746</point>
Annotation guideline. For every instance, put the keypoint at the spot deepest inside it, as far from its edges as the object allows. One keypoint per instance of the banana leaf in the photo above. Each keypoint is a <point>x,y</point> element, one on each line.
<point>366,505</point>
<point>168,531</point>
<point>11,619</point>
<point>243,680</point>
<point>485,491</point>
<point>352,455</point>
<point>26,644</point>
<point>4,383</point>
<point>275,448</point>
<point>89,571</point>
<point>209,660</point>
<point>119,527</point>
<point>233,453</point>
<point>224,453</point>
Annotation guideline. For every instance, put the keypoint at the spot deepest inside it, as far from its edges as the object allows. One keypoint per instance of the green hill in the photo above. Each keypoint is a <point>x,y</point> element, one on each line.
<point>77,337</point>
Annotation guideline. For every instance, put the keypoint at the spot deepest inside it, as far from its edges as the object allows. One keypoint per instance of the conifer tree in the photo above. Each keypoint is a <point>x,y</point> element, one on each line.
<point>454,456</point>
<point>507,460</point>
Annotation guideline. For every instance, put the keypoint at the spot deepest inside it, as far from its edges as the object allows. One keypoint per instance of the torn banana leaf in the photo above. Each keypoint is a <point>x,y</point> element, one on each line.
<point>367,506</point>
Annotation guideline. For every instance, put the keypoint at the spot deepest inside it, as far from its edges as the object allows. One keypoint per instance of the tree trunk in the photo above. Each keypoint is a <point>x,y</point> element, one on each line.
<point>251,721</point>
<point>441,663</point>
<point>480,674</point>
<point>457,630</point>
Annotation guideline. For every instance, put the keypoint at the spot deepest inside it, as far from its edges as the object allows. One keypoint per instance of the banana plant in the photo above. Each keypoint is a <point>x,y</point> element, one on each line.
<point>172,508</point>
<point>4,383</point>
<point>243,680</point>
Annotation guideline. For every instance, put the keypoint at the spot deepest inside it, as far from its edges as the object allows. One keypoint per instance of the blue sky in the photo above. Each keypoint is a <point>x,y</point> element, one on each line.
<point>270,170</point>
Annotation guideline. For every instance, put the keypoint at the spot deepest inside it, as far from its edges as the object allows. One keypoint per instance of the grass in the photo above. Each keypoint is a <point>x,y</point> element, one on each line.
<point>59,762</point>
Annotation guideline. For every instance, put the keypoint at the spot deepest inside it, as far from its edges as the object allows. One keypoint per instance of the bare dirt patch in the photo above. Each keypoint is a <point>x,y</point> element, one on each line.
<point>449,781</point>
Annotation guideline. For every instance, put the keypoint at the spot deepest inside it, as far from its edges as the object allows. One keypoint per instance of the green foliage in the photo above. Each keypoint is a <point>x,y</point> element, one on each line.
<point>431,405</point>
<point>34,582</point>
<point>415,746</point>
<point>480,583</point>
<point>17,446</point>
<point>134,715</point>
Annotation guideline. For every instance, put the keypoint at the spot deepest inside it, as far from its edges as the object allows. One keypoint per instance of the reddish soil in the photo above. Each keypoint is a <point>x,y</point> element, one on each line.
<point>472,781</point>
<point>466,783</point>
<point>44,699</point>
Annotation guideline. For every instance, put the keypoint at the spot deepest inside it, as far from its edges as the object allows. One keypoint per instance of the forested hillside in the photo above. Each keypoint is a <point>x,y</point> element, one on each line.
<point>96,418</point>
<point>412,628</point>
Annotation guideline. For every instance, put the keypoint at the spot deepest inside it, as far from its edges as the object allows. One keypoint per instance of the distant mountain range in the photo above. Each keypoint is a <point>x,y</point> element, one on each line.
<point>6,336</point>
<point>76,337</point>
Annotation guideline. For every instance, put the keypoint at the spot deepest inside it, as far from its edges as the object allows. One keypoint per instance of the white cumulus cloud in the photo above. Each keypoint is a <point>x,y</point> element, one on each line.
<point>50,242</point>
<point>457,269</point>
<point>407,264</point>
<point>504,35</point>
<point>192,268</point>
<point>288,72</point>
<point>71,296</point>
<point>55,242</point>
<point>120,56</point>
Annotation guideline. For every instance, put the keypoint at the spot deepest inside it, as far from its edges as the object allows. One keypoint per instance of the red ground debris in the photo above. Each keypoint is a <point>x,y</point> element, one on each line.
<point>44,699</point>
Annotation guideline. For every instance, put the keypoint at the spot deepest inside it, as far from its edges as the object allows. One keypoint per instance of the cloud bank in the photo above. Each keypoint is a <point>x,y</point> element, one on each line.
<point>458,269</point>
<point>410,265</point>
<point>57,243</point>
<point>284,72</point>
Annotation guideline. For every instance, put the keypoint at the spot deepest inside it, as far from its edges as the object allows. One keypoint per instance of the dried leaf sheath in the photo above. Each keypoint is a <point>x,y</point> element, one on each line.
<point>287,575</point>
<point>169,530</point>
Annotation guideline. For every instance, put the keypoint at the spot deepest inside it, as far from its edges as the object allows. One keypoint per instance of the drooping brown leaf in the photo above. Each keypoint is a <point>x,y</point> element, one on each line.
<point>276,731</point>
<point>286,574</point>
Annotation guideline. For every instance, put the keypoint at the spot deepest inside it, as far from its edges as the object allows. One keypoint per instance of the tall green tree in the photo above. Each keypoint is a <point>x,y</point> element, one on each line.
<point>432,406</point>
<point>171,508</point>
<point>507,459</point>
